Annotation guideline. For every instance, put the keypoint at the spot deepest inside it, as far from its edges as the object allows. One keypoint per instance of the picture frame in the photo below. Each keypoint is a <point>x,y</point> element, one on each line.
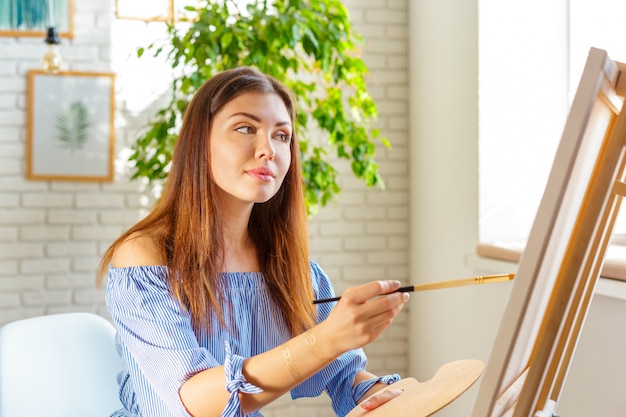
<point>32,18</point>
<point>146,10</point>
<point>70,126</point>
<point>154,10</point>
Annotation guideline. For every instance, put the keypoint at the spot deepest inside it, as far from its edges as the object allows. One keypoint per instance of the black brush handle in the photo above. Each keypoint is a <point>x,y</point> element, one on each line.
<point>408,288</point>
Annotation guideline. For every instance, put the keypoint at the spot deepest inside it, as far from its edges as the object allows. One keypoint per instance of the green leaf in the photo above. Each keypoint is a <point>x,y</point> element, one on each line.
<point>73,127</point>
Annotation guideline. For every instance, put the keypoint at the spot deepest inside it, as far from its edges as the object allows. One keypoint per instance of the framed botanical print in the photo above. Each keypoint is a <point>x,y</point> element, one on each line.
<point>70,130</point>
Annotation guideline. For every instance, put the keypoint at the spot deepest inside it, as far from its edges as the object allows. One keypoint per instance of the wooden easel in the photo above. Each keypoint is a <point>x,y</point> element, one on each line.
<point>564,253</point>
<point>558,269</point>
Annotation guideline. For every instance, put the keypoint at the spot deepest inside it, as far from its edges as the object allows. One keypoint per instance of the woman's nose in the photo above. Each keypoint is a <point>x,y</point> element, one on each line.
<point>264,147</point>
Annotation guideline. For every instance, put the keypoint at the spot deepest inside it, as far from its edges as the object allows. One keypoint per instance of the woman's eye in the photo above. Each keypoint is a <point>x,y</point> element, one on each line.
<point>283,137</point>
<point>246,130</point>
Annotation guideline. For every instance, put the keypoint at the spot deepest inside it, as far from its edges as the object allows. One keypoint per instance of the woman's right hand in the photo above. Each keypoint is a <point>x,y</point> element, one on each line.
<point>363,313</point>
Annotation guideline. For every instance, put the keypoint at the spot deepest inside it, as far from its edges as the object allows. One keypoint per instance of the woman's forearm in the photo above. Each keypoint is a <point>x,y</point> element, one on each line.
<point>276,372</point>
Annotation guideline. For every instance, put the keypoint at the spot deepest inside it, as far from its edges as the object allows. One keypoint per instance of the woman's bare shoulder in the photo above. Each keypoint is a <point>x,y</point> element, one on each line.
<point>137,250</point>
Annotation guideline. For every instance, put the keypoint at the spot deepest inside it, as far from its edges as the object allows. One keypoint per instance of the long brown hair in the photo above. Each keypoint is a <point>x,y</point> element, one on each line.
<point>186,222</point>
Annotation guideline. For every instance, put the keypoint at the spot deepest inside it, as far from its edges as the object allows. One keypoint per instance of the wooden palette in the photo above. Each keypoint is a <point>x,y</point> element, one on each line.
<point>421,399</point>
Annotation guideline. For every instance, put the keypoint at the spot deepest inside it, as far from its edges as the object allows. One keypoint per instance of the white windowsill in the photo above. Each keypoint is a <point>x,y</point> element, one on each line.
<point>503,257</point>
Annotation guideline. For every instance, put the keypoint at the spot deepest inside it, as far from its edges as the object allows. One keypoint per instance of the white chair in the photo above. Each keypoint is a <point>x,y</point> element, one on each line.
<point>62,365</point>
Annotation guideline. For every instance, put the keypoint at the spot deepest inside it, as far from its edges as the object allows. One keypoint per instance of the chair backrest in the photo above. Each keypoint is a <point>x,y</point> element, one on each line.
<point>62,365</point>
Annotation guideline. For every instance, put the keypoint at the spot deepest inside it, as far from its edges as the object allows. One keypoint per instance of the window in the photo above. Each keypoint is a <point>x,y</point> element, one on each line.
<point>531,55</point>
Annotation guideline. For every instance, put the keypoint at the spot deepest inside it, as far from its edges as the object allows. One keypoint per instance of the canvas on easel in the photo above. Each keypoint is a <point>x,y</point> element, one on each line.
<point>564,252</point>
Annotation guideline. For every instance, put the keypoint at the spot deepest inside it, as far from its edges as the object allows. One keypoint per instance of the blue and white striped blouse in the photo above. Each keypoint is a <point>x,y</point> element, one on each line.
<point>160,350</point>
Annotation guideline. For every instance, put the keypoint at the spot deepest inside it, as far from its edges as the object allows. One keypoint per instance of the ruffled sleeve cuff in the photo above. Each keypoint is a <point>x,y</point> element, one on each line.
<point>236,383</point>
<point>362,387</point>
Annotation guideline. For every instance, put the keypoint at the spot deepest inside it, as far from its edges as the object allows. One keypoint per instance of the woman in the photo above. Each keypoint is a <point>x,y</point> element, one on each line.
<point>211,293</point>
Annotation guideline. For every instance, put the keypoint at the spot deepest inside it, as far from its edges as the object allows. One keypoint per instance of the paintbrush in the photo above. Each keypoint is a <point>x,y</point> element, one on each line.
<point>477,280</point>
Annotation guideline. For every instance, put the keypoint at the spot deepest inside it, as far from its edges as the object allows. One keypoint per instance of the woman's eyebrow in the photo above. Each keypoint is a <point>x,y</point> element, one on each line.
<point>243,113</point>
<point>257,119</point>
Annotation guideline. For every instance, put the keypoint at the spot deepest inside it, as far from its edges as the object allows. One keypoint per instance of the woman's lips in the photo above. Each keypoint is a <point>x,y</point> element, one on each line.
<point>263,174</point>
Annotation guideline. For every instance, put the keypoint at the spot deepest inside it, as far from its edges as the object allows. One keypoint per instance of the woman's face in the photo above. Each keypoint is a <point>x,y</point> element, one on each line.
<point>250,145</point>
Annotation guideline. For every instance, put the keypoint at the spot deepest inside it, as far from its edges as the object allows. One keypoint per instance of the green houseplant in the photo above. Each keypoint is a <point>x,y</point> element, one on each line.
<point>307,44</point>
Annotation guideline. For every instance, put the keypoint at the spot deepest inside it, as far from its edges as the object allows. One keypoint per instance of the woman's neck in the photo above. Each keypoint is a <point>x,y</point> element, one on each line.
<point>241,252</point>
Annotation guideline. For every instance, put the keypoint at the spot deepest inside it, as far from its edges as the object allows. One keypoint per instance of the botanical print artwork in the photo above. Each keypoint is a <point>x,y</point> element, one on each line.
<point>73,127</point>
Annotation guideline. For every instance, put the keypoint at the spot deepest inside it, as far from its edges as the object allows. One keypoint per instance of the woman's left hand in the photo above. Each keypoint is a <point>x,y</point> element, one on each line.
<point>380,398</point>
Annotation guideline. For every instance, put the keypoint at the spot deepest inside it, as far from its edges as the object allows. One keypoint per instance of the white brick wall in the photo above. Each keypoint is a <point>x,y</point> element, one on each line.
<point>52,233</point>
